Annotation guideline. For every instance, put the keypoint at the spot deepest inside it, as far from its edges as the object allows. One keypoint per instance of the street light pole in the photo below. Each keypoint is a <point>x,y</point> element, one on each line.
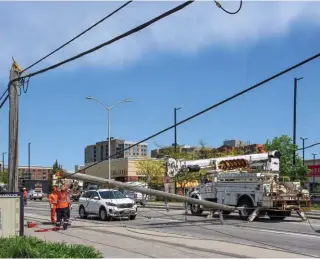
<point>3,153</point>
<point>175,128</point>
<point>303,139</point>
<point>108,108</point>
<point>29,154</point>
<point>295,116</point>
<point>314,172</point>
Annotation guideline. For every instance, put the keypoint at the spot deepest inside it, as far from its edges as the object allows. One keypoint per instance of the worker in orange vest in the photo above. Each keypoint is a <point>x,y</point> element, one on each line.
<point>25,195</point>
<point>63,207</point>
<point>53,200</point>
<point>260,149</point>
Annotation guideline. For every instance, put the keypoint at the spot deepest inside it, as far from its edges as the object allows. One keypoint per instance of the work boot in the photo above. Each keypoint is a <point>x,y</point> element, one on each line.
<point>65,225</point>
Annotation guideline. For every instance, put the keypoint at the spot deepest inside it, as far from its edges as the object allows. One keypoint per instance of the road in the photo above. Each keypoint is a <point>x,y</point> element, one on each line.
<point>290,235</point>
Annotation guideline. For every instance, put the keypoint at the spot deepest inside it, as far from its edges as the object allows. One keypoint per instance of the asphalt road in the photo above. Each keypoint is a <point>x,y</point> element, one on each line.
<point>291,235</point>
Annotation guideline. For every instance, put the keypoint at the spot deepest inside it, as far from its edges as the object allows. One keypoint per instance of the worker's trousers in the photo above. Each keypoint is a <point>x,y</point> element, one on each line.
<point>53,215</point>
<point>62,214</point>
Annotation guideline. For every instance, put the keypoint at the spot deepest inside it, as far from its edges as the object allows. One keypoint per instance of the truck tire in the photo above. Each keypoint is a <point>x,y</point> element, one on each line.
<point>195,208</point>
<point>247,203</point>
<point>40,199</point>
<point>278,215</point>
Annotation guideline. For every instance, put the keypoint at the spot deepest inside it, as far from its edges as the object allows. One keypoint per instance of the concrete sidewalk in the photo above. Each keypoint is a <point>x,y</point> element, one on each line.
<point>120,241</point>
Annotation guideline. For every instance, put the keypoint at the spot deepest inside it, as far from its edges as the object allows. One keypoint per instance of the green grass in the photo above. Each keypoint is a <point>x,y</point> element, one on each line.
<point>31,247</point>
<point>315,206</point>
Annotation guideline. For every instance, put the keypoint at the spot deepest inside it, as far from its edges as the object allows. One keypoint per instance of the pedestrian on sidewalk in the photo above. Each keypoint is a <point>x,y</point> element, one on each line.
<point>25,195</point>
<point>63,207</point>
<point>53,200</point>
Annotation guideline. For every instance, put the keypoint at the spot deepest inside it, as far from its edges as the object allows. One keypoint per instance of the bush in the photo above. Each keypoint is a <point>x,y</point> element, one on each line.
<point>31,247</point>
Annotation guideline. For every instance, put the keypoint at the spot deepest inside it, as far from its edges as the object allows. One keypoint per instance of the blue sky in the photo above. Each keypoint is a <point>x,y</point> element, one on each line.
<point>194,59</point>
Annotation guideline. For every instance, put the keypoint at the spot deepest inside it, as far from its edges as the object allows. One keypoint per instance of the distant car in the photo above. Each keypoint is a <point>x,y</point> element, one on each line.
<point>138,197</point>
<point>34,195</point>
<point>107,204</point>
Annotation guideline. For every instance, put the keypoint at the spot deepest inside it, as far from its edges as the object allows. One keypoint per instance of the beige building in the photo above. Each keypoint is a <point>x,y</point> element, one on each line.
<point>122,169</point>
<point>99,151</point>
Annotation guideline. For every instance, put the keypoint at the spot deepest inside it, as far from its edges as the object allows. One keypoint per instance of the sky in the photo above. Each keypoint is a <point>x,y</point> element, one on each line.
<point>194,59</point>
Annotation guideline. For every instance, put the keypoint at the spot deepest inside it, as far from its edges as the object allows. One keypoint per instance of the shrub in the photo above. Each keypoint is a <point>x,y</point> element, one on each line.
<point>31,247</point>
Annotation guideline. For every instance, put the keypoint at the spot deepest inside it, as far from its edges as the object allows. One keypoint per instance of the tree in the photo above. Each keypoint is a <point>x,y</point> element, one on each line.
<point>152,170</point>
<point>287,148</point>
<point>4,177</point>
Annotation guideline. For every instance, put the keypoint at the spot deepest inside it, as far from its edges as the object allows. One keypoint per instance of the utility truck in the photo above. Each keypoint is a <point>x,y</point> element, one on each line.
<point>251,182</point>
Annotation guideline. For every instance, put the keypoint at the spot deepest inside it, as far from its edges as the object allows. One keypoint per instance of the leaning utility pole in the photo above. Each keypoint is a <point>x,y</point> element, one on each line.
<point>13,127</point>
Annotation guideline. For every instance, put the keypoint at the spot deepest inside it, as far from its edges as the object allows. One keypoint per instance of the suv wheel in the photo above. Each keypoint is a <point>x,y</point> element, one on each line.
<point>103,214</point>
<point>82,212</point>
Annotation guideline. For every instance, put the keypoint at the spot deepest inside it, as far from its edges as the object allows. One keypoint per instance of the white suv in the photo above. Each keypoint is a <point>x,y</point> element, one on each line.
<point>107,203</point>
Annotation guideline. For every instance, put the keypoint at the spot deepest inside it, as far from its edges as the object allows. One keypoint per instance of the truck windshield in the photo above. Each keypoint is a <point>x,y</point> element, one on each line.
<point>112,195</point>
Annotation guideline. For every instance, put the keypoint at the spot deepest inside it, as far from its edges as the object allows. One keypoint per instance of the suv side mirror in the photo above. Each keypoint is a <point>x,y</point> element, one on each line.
<point>96,198</point>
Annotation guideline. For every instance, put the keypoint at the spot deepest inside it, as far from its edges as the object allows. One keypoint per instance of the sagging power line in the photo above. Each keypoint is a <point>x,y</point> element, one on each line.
<point>79,35</point>
<point>212,107</point>
<point>62,46</point>
<point>128,33</point>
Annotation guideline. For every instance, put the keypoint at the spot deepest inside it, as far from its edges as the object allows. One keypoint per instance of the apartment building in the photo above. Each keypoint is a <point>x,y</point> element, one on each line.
<point>99,151</point>
<point>158,153</point>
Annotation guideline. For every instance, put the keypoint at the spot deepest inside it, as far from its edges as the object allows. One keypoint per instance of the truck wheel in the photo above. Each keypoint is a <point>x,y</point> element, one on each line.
<point>82,212</point>
<point>248,208</point>
<point>103,214</point>
<point>40,199</point>
<point>226,213</point>
<point>195,208</point>
<point>278,215</point>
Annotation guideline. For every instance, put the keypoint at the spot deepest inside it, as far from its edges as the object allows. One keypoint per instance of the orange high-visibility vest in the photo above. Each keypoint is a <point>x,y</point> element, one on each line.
<point>53,200</point>
<point>62,200</point>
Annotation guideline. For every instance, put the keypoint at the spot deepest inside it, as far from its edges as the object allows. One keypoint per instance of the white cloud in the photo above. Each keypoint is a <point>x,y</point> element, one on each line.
<point>29,30</point>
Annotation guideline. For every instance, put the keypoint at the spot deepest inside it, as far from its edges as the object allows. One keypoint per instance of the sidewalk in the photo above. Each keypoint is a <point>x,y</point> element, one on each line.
<point>107,238</point>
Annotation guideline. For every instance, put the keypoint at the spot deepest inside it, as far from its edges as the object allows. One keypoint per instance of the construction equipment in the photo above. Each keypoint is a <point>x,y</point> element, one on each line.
<point>251,182</point>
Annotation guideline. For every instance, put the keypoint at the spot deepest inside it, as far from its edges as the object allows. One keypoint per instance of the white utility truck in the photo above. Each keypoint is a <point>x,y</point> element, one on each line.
<point>251,182</point>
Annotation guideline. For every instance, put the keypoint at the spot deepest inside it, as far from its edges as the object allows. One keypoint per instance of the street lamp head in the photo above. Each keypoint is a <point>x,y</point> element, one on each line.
<point>89,97</point>
<point>300,78</point>
<point>302,138</point>
<point>178,108</point>
<point>127,100</point>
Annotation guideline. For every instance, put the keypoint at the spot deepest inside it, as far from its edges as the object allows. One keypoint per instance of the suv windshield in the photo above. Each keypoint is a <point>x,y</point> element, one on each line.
<point>112,195</point>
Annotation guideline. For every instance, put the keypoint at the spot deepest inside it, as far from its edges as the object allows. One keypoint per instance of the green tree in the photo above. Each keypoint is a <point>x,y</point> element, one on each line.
<point>4,177</point>
<point>287,148</point>
<point>152,170</point>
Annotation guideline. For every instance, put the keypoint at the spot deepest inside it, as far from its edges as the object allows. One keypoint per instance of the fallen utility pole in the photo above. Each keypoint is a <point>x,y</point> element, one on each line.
<point>13,127</point>
<point>112,183</point>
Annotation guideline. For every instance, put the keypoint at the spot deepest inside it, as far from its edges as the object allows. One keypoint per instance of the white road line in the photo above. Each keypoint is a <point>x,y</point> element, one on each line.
<point>289,233</point>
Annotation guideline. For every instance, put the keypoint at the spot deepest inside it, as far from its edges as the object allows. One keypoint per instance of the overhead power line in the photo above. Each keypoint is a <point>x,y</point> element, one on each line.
<point>64,45</point>
<point>212,107</point>
<point>309,146</point>
<point>117,38</point>
<point>82,33</point>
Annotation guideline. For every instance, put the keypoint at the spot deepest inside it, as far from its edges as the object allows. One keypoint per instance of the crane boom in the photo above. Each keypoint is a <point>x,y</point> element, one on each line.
<point>265,161</point>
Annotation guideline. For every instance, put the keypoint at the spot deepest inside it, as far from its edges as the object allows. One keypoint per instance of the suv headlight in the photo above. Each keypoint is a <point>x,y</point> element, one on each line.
<point>111,204</point>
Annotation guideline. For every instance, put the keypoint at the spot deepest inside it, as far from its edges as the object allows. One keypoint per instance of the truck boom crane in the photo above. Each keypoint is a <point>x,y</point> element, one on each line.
<point>264,161</point>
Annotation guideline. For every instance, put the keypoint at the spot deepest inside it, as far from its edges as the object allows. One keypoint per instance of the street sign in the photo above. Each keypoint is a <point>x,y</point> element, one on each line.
<point>11,214</point>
